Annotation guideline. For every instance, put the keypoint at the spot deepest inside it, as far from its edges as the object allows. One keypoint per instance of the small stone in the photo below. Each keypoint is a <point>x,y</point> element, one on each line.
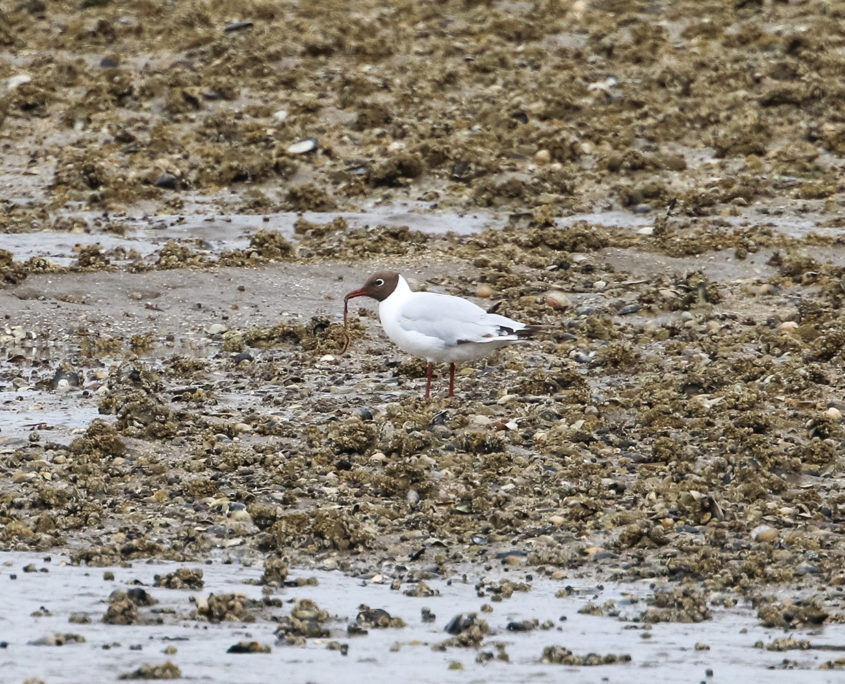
<point>18,80</point>
<point>484,291</point>
<point>764,533</point>
<point>167,181</point>
<point>629,309</point>
<point>166,670</point>
<point>240,516</point>
<point>557,299</point>
<point>237,26</point>
<point>248,647</point>
<point>303,146</point>
<point>833,413</point>
<point>542,157</point>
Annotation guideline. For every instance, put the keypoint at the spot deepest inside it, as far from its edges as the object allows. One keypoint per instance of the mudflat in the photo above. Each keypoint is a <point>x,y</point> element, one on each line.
<point>189,191</point>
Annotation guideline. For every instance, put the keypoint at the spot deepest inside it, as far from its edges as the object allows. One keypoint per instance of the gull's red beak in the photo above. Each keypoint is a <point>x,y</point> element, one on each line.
<point>354,293</point>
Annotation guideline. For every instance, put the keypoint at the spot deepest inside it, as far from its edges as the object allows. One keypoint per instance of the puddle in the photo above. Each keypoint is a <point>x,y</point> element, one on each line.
<point>217,233</point>
<point>59,417</point>
<point>669,654</point>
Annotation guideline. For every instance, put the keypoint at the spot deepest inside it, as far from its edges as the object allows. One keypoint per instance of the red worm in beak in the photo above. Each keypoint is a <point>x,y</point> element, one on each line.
<point>346,338</point>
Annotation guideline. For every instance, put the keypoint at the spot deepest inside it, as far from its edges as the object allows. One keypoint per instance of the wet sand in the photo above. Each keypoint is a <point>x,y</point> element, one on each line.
<point>723,649</point>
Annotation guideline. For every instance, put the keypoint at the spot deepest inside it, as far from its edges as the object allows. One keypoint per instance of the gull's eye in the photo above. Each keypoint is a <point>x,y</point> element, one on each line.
<point>379,282</point>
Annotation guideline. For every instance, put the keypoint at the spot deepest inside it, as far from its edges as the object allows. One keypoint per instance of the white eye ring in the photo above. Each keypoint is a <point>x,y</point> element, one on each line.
<point>379,282</point>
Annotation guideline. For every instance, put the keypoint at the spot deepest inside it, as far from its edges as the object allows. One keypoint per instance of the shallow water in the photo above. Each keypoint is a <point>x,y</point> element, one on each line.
<point>59,415</point>
<point>217,233</point>
<point>57,589</point>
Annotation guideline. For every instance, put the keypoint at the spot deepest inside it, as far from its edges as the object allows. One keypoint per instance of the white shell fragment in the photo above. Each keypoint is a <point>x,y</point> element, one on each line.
<point>303,146</point>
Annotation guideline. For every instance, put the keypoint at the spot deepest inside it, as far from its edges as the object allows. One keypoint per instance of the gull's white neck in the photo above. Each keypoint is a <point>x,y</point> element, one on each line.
<point>388,307</point>
<point>402,289</point>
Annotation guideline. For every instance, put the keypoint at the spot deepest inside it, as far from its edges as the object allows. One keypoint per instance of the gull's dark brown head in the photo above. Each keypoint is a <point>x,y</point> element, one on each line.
<point>379,286</point>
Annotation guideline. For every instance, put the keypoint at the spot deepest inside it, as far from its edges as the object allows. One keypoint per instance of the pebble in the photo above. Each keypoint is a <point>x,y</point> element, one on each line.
<point>240,516</point>
<point>378,457</point>
<point>834,413</point>
<point>363,413</point>
<point>557,299</point>
<point>167,181</point>
<point>764,533</point>
<point>484,291</point>
<point>542,157</point>
<point>248,647</point>
<point>215,329</point>
<point>237,26</point>
<point>17,80</point>
<point>303,146</point>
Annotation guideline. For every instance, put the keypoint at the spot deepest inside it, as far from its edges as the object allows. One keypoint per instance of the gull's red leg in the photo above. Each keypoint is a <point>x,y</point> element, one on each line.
<point>428,380</point>
<point>451,379</point>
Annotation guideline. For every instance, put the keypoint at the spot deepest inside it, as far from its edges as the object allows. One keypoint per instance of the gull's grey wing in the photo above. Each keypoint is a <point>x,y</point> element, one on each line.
<point>453,320</point>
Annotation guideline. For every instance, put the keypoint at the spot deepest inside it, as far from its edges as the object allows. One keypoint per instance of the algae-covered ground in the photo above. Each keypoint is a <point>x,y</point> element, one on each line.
<point>189,190</point>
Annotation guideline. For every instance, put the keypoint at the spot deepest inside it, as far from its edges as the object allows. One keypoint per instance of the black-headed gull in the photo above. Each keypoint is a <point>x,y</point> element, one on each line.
<point>439,328</point>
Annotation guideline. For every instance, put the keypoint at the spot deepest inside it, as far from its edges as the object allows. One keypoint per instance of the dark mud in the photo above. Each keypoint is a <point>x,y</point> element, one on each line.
<point>658,184</point>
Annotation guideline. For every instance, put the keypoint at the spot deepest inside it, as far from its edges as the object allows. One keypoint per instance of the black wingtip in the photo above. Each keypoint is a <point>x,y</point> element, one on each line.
<point>530,331</point>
